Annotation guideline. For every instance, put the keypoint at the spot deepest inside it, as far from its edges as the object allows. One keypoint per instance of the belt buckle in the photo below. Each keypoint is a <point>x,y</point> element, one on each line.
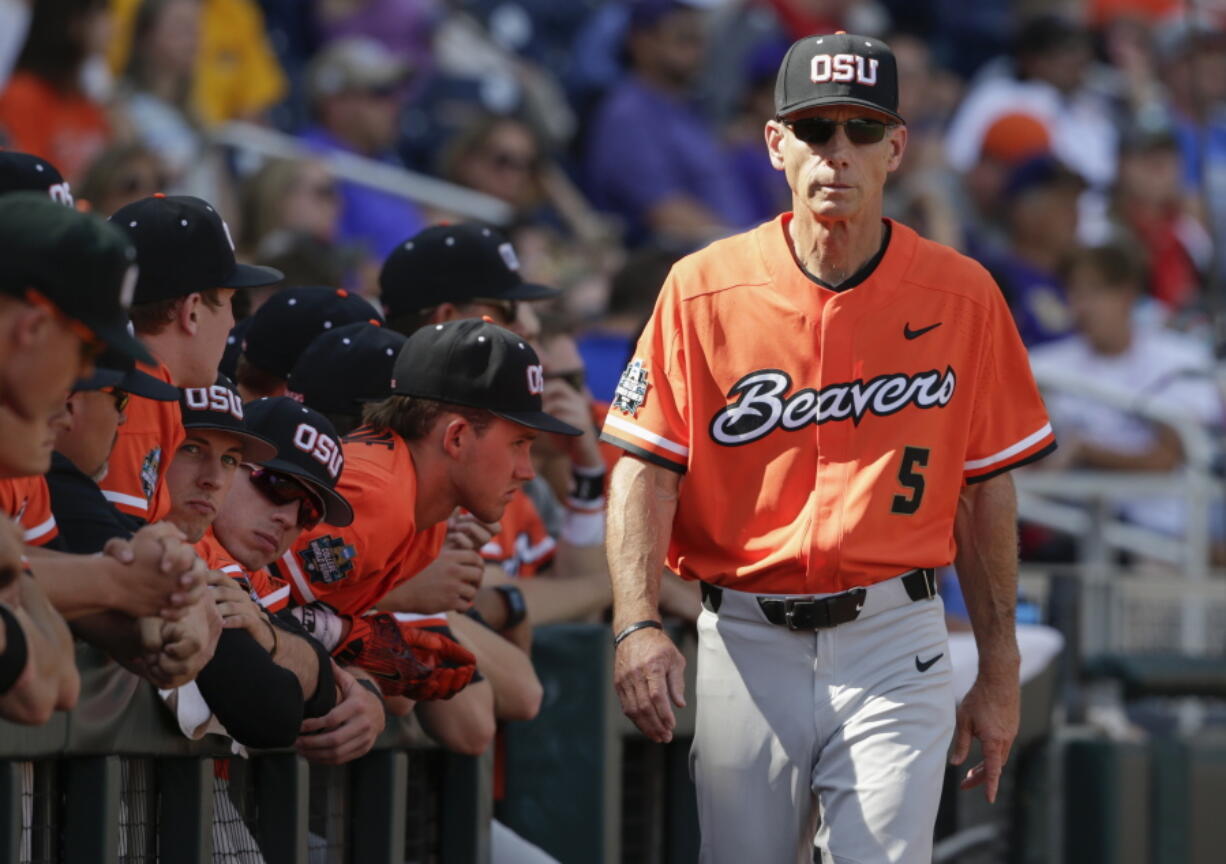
<point>801,613</point>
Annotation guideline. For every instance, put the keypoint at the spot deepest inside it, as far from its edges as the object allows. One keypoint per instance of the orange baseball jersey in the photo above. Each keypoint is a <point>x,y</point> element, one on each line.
<point>523,547</point>
<point>825,435</point>
<point>267,590</point>
<point>27,501</point>
<point>147,442</point>
<point>351,568</point>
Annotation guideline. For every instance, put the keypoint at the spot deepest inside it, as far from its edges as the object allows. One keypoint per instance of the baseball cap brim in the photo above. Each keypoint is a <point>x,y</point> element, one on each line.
<point>337,511</point>
<point>256,448</point>
<point>531,291</point>
<point>252,276</point>
<point>823,101</point>
<point>539,420</point>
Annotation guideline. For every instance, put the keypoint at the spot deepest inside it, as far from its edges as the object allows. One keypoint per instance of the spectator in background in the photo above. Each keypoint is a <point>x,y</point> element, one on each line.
<point>49,107</point>
<point>1049,78</point>
<point>235,74</point>
<point>1149,203</point>
<point>355,88</point>
<point>1146,365</point>
<point>1010,140</point>
<point>766,190</point>
<point>1041,217</point>
<point>500,156</point>
<point>120,175</point>
<point>606,347</point>
<point>290,213</point>
<point>405,27</point>
<point>159,91</point>
<point>651,157</point>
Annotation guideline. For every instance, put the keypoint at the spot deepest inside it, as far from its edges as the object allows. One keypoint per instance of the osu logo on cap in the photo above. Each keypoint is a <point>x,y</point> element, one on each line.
<point>321,446</point>
<point>214,398</point>
<point>841,68</point>
<point>536,380</point>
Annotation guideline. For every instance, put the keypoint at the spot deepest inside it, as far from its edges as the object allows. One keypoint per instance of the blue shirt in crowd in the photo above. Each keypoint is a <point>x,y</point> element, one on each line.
<point>645,146</point>
<point>370,218</point>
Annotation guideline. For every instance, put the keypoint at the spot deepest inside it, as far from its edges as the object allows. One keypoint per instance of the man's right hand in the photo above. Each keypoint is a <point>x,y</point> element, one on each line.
<point>649,673</point>
<point>157,573</point>
<point>449,583</point>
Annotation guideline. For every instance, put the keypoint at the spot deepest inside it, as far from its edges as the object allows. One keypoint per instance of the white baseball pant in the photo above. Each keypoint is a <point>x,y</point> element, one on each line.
<point>832,738</point>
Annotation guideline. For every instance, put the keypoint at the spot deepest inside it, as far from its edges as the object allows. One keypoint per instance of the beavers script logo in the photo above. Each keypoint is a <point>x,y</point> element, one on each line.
<point>762,404</point>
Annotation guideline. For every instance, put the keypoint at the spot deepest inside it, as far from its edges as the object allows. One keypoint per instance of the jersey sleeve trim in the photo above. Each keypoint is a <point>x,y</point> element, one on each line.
<point>270,601</point>
<point>647,435</point>
<point>129,500</point>
<point>303,586</point>
<point>39,532</point>
<point>1012,450</point>
<point>642,453</point>
<point>1025,460</point>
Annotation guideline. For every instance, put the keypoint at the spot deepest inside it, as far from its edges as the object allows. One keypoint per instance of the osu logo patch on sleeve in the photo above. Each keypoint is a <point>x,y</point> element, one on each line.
<point>149,472</point>
<point>631,389</point>
<point>328,559</point>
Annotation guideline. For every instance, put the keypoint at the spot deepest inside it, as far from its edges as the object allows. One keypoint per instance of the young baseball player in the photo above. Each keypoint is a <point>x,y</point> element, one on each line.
<point>821,411</point>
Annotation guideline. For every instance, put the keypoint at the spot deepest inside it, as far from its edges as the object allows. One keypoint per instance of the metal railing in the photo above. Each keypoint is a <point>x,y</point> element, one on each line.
<point>422,189</point>
<point>114,780</point>
<point>1084,503</point>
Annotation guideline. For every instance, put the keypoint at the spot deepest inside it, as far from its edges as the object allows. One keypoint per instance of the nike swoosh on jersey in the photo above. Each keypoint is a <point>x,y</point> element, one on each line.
<point>925,665</point>
<point>915,334</point>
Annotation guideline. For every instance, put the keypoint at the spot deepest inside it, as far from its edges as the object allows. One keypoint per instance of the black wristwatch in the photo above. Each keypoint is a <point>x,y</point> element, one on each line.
<point>517,610</point>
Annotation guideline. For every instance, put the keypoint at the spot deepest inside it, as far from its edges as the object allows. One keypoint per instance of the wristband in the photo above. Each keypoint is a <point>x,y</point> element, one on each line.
<point>321,623</point>
<point>584,528</point>
<point>272,652</point>
<point>16,652</point>
<point>517,610</point>
<point>634,628</point>
<point>588,484</point>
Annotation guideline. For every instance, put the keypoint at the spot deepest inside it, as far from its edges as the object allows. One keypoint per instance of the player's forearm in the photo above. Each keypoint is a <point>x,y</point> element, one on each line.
<point>642,503</point>
<point>464,723</point>
<point>114,632</point>
<point>986,532</point>
<point>295,654</point>
<point>76,585</point>
<point>573,589</point>
<point>517,690</point>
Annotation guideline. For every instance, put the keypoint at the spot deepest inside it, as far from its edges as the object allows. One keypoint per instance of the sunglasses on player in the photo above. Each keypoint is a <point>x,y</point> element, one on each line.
<point>281,489</point>
<point>819,130</point>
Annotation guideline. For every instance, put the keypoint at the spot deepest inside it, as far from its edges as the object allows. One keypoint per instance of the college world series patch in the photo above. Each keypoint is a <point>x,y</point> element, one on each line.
<point>149,472</point>
<point>631,389</point>
<point>327,559</point>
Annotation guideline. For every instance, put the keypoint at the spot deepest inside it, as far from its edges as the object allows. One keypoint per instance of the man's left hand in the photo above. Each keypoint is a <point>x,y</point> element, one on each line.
<point>347,731</point>
<point>990,712</point>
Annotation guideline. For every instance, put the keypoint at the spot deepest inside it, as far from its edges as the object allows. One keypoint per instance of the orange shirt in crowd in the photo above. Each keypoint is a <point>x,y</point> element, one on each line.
<point>352,568</point>
<point>27,501</point>
<point>523,547</point>
<point>69,131</point>
<point>825,436</point>
<point>267,590</point>
<point>147,441</point>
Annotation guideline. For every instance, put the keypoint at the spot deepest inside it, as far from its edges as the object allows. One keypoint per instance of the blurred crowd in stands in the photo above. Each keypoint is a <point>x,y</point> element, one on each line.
<point>1076,149</point>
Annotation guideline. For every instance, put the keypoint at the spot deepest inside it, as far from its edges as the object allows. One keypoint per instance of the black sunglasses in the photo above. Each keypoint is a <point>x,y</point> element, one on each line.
<point>281,489</point>
<point>819,130</point>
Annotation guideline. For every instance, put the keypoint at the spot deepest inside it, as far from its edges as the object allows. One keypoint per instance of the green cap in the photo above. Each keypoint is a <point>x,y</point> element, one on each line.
<point>84,266</point>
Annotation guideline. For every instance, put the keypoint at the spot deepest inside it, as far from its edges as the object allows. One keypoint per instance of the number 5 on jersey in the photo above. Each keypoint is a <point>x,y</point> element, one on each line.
<point>913,458</point>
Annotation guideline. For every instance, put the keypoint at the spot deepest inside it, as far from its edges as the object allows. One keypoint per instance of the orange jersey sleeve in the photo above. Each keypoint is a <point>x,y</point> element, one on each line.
<point>352,568</point>
<point>650,414</point>
<point>267,590</point>
<point>27,501</point>
<point>825,434</point>
<point>147,441</point>
<point>523,547</point>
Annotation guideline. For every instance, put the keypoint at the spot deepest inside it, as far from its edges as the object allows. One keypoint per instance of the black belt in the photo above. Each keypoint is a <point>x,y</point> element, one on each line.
<point>819,613</point>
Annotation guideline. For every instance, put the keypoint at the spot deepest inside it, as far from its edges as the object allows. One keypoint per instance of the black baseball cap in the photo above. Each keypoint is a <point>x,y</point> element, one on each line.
<point>308,448</point>
<point>113,369</point>
<point>234,348</point>
<point>80,264</point>
<point>220,409</point>
<point>26,172</point>
<point>454,264</point>
<point>837,69</point>
<point>184,246</point>
<point>479,364</point>
<point>285,324</point>
<point>347,366</point>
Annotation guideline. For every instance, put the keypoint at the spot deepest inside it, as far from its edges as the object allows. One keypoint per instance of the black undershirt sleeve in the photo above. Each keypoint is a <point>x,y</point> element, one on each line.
<point>259,702</point>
